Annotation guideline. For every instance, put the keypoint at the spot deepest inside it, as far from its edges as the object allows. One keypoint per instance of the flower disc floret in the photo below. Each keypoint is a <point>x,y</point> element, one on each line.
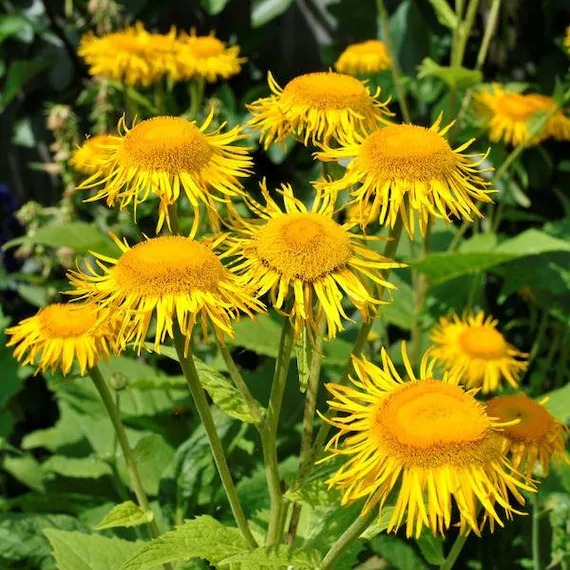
<point>166,155</point>
<point>172,278</point>
<point>307,261</point>
<point>473,348</point>
<point>535,435</point>
<point>425,440</point>
<point>409,171</point>
<point>60,334</point>
<point>319,107</point>
<point>366,57</point>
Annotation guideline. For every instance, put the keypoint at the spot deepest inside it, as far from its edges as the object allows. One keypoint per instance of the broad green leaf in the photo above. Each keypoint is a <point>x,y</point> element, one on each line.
<point>303,352</point>
<point>26,470</point>
<point>261,335</point>
<point>431,547</point>
<point>558,403</point>
<point>126,514</point>
<point>203,537</point>
<point>266,10</point>
<point>533,242</point>
<point>456,77</point>
<point>445,15</point>
<point>214,7</point>
<point>275,557</point>
<point>16,25</point>
<point>19,73</point>
<point>399,309</point>
<point>78,551</point>
<point>397,552</point>
<point>77,467</point>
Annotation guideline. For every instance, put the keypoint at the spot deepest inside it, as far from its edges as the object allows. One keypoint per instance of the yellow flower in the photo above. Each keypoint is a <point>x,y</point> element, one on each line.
<point>427,442</point>
<point>366,57</point>
<point>567,39</point>
<point>509,116</point>
<point>474,349</point>
<point>410,171</point>
<point>206,57</point>
<point>59,334</point>
<point>538,436</point>
<point>171,278</point>
<point>89,157</point>
<point>317,107</point>
<point>133,55</point>
<point>307,254</point>
<point>163,155</point>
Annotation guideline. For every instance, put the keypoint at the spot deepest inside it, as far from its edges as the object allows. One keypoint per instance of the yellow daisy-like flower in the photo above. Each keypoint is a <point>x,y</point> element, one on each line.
<point>60,334</point>
<point>428,442</point>
<point>165,155</point>
<point>307,254</point>
<point>410,171</point>
<point>317,107</point>
<point>133,55</point>
<point>474,349</point>
<point>366,57</point>
<point>94,152</point>
<point>567,39</point>
<point>206,57</point>
<point>537,435</point>
<point>509,115</point>
<point>171,278</point>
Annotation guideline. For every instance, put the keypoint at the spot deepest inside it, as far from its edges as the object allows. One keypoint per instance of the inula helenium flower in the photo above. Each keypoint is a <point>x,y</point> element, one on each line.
<point>306,254</point>
<point>426,445</point>
<point>364,58</point>
<point>165,156</point>
<point>473,348</point>
<point>92,154</point>
<point>410,172</point>
<point>168,278</point>
<point>537,435</point>
<point>60,334</point>
<point>316,107</point>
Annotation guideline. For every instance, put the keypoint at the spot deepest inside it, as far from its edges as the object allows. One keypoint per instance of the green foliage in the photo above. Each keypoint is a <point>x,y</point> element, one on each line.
<point>125,515</point>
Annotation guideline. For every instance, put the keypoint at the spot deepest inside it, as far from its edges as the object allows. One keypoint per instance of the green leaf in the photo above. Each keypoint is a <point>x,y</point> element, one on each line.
<point>266,10</point>
<point>303,352</point>
<point>456,77</point>
<point>399,310</point>
<point>445,15</point>
<point>79,551</point>
<point>125,515</point>
<point>398,553</point>
<point>261,335</point>
<point>275,557</point>
<point>16,25</point>
<point>203,537</point>
<point>431,547</point>
<point>77,467</point>
<point>214,7</point>
<point>558,403</point>
<point>19,73</point>
<point>26,470</point>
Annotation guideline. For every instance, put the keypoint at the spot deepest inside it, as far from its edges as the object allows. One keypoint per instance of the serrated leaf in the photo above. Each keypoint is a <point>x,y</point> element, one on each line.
<point>203,537</point>
<point>431,547</point>
<point>275,557</point>
<point>78,551</point>
<point>77,467</point>
<point>125,515</point>
<point>445,15</point>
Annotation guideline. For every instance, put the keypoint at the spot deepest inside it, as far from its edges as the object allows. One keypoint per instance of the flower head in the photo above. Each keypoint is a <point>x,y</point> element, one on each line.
<point>171,278</point>
<point>567,39</point>
<point>206,57</point>
<point>317,106</point>
<point>60,334</point>
<point>473,348</point>
<point>427,441</point>
<point>537,435</point>
<point>165,155</point>
<point>509,115</point>
<point>133,55</point>
<point>94,152</point>
<point>366,57</point>
<point>410,171</point>
<point>305,254</point>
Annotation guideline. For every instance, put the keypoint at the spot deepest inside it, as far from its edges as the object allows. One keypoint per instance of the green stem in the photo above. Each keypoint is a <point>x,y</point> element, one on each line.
<point>237,378</point>
<point>536,556</point>
<point>174,219</point>
<point>305,454</point>
<point>387,37</point>
<point>464,32</point>
<point>365,328</point>
<point>269,433</point>
<point>197,90</point>
<point>347,538</point>
<point>454,553</point>
<point>197,392</point>
<point>113,413</point>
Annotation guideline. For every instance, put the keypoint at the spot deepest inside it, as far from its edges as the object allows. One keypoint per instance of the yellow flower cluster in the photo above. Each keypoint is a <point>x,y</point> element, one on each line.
<point>136,56</point>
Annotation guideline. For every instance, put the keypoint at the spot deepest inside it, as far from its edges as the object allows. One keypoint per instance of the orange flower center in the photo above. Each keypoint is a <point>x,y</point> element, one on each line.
<point>483,342</point>
<point>67,320</point>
